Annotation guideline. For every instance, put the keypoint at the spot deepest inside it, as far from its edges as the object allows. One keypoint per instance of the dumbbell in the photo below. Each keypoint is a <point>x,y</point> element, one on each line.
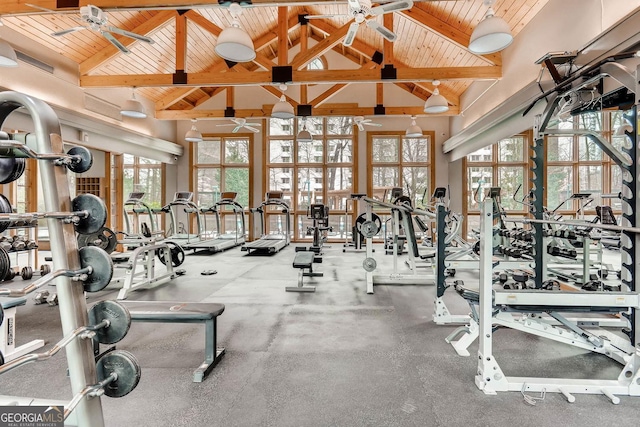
<point>52,299</point>
<point>512,285</point>
<point>551,285</point>
<point>18,243</point>
<point>11,273</point>
<point>27,272</point>
<point>41,297</point>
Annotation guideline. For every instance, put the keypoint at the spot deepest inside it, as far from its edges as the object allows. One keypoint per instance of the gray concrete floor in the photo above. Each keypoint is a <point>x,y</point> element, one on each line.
<point>336,357</point>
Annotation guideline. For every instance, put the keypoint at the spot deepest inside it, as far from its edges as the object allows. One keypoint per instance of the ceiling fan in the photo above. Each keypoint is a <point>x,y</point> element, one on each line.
<point>240,123</point>
<point>96,20</point>
<point>361,122</point>
<point>360,10</point>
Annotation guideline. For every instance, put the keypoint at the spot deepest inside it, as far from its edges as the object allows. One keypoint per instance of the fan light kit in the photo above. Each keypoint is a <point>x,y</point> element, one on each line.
<point>413,131</point>
<point>436,103</point>
<point>491,35</point>
<point>282,109</point>
<point>240,123</point>
<point>7,55</point>
<point>193,134</point>
<point>304,135</point>
<point>360,10</point>
<point>133,108</point>
<point>96,20</point>
<point>234,43</point>
<point>361,122</point>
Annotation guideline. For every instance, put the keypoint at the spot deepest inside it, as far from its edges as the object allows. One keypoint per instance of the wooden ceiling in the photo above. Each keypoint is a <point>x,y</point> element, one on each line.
<point>431,44</point>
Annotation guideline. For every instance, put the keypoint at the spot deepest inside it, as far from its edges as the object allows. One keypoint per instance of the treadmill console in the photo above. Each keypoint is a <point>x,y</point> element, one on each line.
<point>493,192</point>
<point>580,195</point>
<point>228,195</point>
<point>136,196</point>
<point>274,195</point>
<point>183,196</point>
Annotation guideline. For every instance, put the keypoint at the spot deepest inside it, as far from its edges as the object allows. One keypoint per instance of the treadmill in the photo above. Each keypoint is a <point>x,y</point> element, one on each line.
<point>272,242</point>
<point>178,231</point>
<point>223,241</point>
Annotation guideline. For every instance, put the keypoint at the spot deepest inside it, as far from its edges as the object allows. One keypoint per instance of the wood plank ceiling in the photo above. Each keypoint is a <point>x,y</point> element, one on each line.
<point>431,44</point>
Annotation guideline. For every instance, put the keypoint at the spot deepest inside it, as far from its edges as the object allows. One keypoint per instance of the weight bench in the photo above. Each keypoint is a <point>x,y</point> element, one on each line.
<point>8,349</point>
<point>184,312</point>
<point>304,261</point>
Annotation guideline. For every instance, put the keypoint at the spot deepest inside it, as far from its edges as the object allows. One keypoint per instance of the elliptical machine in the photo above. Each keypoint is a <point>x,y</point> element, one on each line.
<point>320,215</point>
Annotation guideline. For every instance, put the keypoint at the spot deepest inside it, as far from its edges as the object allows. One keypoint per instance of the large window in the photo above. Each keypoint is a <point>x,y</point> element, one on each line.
<point>312,172</point>
<point>505,165</point>
<point>145,175</point>
<point>222,164</point>
<point>398,161</point>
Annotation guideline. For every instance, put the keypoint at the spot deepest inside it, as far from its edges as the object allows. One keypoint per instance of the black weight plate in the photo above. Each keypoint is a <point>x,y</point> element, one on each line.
<point>1,359</point>
<point>177,254</point>
<point>97,210</point>
<point>125,366</point>
<point>5,264</point>
<point>116,314</point>
<point>5,207</point>
<point>19,170</point>
<point>104,239</point>
<point>102,266</point>
<point>85,160</point>
<point>10,169</point>
<point>1,319</point>
<point>45,269</point>
<point>26,273</point>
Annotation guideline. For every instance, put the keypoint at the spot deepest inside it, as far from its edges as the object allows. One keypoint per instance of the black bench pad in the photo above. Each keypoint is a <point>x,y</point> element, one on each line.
<point>165,311</point>
<point>303,259</point>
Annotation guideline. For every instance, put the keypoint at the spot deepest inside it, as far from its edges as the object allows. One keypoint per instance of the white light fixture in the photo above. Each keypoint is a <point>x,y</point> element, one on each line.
<point>282,109</point>
<point>492,34</point>
<point>304,135</point>
<point>436,102</point>
<point>133,108</point>
<point>234,43</point>
<point>413,131</point>
<point>193,134</point>
<point>7,55</point>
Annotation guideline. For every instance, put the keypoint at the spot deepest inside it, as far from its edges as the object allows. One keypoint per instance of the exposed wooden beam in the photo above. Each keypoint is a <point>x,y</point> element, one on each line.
<point>230,96</point>
<point>299,76</point>
<point>387,46</point>
<point>181,42</point>
<point>305,56</point>
<point>320,99</point>
<point>211,94</point>
<point>283,39</point>
<point>379,93</point>
<point>110,52</point>
<point>304,45</point>
<point>333,110</point>
<point>449,32</point>
<point>203,22</point>
<point>423,93</point>
<point>327,28</point>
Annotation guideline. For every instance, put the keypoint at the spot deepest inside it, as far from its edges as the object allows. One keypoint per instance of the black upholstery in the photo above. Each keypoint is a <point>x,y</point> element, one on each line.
<point>13,302</point>
<point>171,311</point>
<point>303,259</point>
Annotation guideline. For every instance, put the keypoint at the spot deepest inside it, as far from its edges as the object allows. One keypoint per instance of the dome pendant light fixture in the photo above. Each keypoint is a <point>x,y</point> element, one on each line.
<point>436,102</point>
<point>193,134</point>
<point>491,35</point>
<point>133,108</point>
<point>234,43</point>
<point>282,109</point>
<point>413,131</point>
<point>304,135</point>
<point>7,55</point>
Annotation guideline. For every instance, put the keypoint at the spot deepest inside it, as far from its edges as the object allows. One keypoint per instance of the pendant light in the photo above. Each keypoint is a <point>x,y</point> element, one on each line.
<point>436,102</point>
<point>133,108</point>
<point>491,35</point>
<point>193,134</point>
<point>7,55</point>
<point>234,43</point>
<point>282,109</point>
<point>413,131</point>
<point>304,135</point>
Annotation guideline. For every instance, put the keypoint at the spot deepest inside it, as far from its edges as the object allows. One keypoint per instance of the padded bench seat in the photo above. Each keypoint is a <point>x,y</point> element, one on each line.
<point>12,302</point>
<point>304,260</point>
<point>184,312</point>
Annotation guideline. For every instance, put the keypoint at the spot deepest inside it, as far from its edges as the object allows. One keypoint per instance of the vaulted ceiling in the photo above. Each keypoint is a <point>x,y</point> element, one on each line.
<point>180,70</point>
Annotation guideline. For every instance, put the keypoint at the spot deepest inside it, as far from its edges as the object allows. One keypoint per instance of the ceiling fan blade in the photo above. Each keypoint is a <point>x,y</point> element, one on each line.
<point>236,129</point>
<point>354,4</point>
<point>130,34</point>
<point>373,124</point>
<point>252,129</point>
<point>351,34</point>
<point>67,31</point>
<point>392,7</point>
<point>382,30</point>
<point>225,124</point>
<point>107,35</point>
<point>320,16</point>
<point>253,124</point>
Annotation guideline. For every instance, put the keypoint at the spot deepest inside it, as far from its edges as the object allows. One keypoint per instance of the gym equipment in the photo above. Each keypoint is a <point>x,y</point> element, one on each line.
<point>104,238</point>
<point>88,216</point>
<point>184,312</point>
<point>176,253</point>
<point>8,308</point>
<point>271,243</point>
<point>369,264</point>
<point>27,272</point>
<point>304,261</point>
<point>357,240</point>
<point>11,169</point>
<point>319,214</point>
<point>120,371</point>
<point>222,241</point>
<point>176,231</point>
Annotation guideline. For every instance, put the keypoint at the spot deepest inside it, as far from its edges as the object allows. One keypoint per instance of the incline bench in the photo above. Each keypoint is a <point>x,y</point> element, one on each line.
<point>304,260</point>
<point>184,312</point>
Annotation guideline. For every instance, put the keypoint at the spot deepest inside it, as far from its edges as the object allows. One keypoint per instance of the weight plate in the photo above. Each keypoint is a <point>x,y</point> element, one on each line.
<point>102,266</point>
<point>26,273</point>
<point>5,207</point>
<point>177,254</point>
<point>403,201</point>
<point>369,264</point>
<point>369,229</point>
<point>125,366</point>
<point>1,314</point>
<point>5,264</point>
<point>10,169</point>
<point>105,239</point>
<point>45,269</point>
<point>1,359</point>
<point>116,314</point>
<point>84,160</point>
<point>97,213</point>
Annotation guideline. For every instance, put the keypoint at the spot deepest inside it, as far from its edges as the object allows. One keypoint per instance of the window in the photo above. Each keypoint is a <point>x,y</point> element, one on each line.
<point>317,64</point>
<point>505,165</point>
<point>312,172</point>
<point>221,164</point>
<point>143,175</point>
